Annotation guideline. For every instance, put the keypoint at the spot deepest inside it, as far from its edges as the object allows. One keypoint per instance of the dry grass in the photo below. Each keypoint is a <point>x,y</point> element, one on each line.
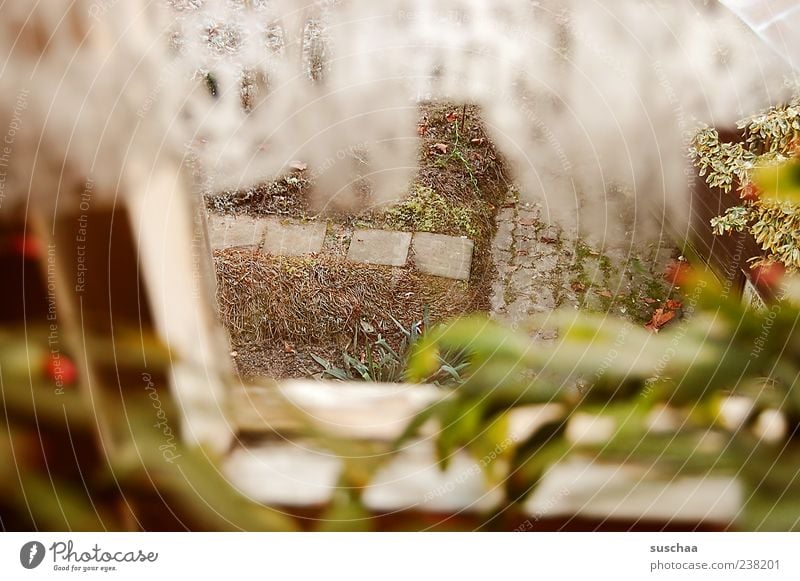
<point>314,303</point>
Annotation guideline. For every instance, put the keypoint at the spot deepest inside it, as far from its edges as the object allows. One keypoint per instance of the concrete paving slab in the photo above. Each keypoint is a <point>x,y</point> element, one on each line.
<point>229,231</point>
<point>291,238</point>
<point>384,247</point>
<point>445,256</point>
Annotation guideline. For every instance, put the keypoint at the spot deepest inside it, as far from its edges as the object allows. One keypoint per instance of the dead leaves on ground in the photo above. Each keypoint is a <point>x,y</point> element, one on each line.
<point>677,272</point>
<point>578,287</point>
<point>664,315</point>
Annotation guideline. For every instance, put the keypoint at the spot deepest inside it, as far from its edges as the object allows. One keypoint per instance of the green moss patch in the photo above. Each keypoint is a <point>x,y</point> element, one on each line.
<point>425,210</point>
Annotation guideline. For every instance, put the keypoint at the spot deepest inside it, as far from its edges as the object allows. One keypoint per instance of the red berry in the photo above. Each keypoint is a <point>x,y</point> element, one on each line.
<point>768,275</point>
<point>28,246</point>
<point>60,369</point>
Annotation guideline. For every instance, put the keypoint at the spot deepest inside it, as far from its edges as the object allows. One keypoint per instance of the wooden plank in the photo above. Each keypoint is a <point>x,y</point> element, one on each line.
<point>285,468</point>
<point>280,464</point>
<point>356,410</point>
<point>299,474</point>
<point>369,411</point>
<point>586,488</point>
<point>173,255</point>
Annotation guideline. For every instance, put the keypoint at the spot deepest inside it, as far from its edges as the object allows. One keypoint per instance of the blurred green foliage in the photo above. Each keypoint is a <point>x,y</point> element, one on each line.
<point>606,367</point>
<point>68,475</point>
<point>77,460</point>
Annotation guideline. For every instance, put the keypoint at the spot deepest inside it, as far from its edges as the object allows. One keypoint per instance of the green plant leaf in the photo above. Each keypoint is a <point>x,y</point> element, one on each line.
<point>779,182</point>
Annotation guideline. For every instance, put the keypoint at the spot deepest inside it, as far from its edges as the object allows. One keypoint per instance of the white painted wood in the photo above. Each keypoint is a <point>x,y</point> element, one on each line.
<point>356,410</point>
<point>284,473</point>
<point>287,470</point>
<point>413,480</point>
<point>173,254</point>
<point>591,489</point>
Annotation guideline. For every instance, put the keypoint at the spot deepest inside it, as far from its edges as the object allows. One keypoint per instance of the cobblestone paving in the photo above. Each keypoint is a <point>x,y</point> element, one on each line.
<point>541,267</point>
